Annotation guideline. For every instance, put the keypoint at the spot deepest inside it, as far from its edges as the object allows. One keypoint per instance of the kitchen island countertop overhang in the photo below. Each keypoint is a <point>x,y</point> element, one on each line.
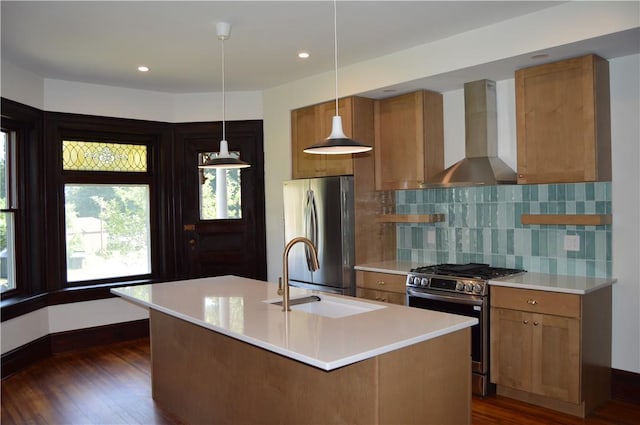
<point>241,308</point>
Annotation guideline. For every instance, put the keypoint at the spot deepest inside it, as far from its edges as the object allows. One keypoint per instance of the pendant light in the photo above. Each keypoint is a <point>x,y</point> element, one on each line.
<point>337,142</point>
<point>222,159</point>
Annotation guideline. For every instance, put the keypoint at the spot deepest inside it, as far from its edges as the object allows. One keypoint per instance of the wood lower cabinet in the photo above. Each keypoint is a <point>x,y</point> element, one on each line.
<point>552,349</point>
<point>563,121</point>
<point>409,133</point>
<point>385,287</point>
<point>313,123</point>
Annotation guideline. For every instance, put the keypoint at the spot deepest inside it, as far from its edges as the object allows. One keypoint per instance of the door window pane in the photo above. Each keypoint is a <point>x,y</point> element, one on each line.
<point>220,194</point>
<point>107,231</point>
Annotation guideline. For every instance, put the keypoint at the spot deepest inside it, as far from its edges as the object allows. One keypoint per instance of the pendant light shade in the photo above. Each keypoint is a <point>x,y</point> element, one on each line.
<point>222,159</point>
<point>337,142</point>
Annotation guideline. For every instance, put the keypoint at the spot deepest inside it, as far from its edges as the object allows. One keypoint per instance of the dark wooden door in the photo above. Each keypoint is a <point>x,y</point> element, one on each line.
<point>213,246</point>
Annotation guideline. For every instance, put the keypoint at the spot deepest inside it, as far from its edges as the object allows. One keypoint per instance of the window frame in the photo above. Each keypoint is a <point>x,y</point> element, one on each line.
<point>157,138</point>
<point>15,133</point>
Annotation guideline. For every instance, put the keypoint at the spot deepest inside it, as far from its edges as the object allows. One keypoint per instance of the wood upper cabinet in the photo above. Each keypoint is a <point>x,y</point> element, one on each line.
<point>409,135</point>
<point>563,121</point>
<point>552,349</point>
<point>311,124</point>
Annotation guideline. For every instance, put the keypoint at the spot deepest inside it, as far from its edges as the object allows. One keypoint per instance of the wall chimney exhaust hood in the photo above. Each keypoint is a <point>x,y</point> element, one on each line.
<point>481,165</point>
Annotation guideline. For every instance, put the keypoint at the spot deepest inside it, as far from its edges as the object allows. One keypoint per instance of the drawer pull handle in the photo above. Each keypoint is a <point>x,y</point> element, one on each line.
<point>381,282</point>
<point>532,301</point>
<point>535,323</point>
<point>526,322</point>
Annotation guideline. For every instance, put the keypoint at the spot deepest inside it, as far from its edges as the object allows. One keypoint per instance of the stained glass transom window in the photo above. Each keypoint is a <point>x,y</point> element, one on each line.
<point>103,156</point>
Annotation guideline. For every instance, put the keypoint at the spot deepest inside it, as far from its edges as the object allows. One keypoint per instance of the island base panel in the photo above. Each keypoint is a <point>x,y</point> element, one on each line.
<point>205,377</point>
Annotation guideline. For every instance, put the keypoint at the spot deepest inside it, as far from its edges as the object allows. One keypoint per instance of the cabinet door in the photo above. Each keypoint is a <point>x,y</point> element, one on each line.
<point>382,296</point>
<point>336,165</point>
<point>304,132</point>
<point>310,125</point>
<point>511,344</point>
<point>409,140</point>
<point>556,357</point>
<point>563,123</point>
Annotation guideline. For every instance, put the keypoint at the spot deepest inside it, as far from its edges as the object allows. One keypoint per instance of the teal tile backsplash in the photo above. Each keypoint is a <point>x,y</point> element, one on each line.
<point>483,225</point>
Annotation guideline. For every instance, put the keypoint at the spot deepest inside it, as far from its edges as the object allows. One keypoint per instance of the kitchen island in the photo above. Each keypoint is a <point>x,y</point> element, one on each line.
<point>223,353</point>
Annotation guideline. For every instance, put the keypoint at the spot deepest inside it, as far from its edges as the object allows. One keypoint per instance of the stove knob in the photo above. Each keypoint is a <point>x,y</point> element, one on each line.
<point>468,287</point>
<point>411,280</point>
<point>424,281</point>
<point>459,286</point>
<point>477,288</point>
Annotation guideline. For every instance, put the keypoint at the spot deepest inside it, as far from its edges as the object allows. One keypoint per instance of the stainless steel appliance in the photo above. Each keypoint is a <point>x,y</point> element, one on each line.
<point>460,289</point>
<point>321,209</point>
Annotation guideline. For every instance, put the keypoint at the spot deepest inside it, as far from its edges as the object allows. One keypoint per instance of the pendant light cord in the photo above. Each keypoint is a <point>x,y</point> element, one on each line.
<point>224,136</point>
<point>335,48</point>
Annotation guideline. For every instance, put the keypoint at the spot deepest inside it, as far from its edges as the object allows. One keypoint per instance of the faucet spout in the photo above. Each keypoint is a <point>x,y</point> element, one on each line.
<point>314,265</point>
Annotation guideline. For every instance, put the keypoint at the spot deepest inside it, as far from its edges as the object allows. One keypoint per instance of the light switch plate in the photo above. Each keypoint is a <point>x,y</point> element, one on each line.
<point>572,242</point>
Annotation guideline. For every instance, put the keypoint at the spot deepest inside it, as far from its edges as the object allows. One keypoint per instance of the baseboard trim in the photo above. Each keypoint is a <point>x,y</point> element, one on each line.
<point>41,348</point>
<point>625,386</point>
<point>19,358</point>
<point>79,339</point>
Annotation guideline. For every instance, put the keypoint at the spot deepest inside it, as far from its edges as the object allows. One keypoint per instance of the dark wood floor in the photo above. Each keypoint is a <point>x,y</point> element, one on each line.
<point>111,385</point>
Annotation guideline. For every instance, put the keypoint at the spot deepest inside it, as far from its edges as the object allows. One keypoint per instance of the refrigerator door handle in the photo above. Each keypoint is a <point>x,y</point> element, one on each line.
<point>311,226</point>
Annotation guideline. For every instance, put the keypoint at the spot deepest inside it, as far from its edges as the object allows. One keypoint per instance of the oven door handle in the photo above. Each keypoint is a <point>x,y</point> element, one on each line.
<point>443,297</point>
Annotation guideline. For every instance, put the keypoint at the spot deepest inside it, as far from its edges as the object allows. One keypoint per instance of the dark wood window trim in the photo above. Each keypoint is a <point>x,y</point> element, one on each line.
<point>41,262</point>
<point>41,195</point>
<point>27,122</point>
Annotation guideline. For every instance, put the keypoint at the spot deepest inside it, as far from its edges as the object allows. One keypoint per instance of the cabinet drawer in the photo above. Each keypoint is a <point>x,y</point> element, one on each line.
<point>567,305</point>
<point>382,296</point>
<point>381,281</point>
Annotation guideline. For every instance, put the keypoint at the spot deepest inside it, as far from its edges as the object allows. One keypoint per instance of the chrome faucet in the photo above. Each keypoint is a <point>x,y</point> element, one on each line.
<point>314,265</point>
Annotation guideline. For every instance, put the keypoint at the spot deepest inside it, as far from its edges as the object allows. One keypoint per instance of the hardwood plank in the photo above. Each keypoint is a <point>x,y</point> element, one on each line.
<point>51,391</point>
<point>108,384</point>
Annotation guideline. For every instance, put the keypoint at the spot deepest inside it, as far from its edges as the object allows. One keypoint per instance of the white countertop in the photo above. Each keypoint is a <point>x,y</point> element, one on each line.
<point>234,306</point>
<point>390,266</point>
<point>554,283</point>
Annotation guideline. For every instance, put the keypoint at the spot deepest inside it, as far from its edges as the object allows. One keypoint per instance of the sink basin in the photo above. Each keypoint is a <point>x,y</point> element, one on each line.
<point>328,306</point>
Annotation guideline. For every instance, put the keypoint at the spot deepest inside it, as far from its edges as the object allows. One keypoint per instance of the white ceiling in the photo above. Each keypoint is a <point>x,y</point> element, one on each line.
<point>102,42</point>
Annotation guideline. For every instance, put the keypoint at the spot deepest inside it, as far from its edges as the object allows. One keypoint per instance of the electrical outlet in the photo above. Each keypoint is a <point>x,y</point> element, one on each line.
<point>431,236</point>
<point>572,242</point>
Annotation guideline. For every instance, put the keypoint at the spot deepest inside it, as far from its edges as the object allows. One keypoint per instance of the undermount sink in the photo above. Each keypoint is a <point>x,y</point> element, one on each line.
<point>328,306</point>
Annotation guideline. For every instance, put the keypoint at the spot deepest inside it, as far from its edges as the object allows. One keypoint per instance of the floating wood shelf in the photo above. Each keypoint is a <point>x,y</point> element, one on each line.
<point>567,219</point>
<point>410,218</point>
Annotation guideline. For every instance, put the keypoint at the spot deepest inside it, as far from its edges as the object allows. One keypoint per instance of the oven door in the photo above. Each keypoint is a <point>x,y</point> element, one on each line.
<point>464,306</point>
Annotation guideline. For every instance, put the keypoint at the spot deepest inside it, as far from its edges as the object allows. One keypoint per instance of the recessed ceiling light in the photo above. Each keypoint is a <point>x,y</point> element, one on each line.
<point>303,55</point>
<point>143,68</point>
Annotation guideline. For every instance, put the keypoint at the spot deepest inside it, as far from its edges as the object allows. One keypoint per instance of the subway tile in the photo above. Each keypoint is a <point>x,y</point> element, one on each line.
<point>483,225</point>
<point>580,191</point>
<point>589,192</point>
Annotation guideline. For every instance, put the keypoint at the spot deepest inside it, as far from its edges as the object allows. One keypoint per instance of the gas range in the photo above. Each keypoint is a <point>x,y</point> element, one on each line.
<point>469,279</point>
<point>460,289</point>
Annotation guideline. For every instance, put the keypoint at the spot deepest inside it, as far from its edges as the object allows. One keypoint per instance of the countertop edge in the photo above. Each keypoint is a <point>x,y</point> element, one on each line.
<point>327,366</point>
<point>515,282</point>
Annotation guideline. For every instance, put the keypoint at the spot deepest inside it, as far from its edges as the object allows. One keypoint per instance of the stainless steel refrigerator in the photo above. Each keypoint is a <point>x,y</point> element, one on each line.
<point>321,209</point>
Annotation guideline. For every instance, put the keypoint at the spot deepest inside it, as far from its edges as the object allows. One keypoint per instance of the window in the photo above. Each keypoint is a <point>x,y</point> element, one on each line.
<point>8,207</point>
<point>107,198</point>
<point>220,194</point>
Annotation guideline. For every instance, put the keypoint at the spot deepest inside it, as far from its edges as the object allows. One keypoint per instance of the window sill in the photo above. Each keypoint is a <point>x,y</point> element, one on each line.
<point>19,305</point>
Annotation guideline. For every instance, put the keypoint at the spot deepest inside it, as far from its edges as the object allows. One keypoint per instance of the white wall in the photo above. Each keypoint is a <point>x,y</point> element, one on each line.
<point>625,141</point>
<point>64,317</point>
<point>567,23</point>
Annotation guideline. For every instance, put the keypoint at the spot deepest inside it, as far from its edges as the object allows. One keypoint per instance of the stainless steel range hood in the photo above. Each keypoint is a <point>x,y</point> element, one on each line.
<point>481,165</point>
